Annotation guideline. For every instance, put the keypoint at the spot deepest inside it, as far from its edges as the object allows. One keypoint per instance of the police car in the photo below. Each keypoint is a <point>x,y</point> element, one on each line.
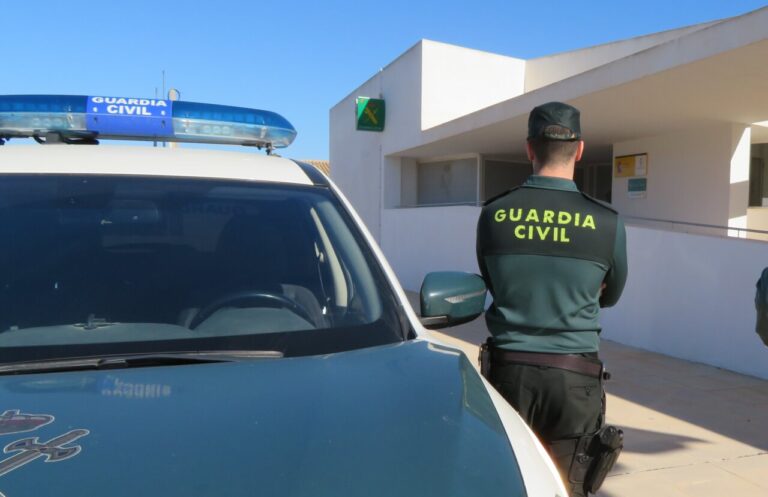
<point>184,322</point>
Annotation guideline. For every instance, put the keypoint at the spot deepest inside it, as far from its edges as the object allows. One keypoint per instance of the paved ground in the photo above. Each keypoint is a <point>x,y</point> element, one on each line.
<point>690,429</point>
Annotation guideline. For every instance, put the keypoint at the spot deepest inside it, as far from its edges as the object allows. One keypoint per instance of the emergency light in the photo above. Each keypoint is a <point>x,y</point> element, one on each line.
<point>83,119</point>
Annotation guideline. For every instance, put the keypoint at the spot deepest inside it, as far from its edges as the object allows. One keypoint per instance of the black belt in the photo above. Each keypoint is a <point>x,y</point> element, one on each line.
<point>568,362</point>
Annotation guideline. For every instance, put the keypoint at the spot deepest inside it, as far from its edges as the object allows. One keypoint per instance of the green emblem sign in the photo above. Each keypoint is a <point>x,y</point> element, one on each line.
<point>370,114</point>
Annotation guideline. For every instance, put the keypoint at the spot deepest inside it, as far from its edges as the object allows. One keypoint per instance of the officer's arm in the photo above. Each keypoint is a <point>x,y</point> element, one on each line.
<point>481,237</point>
<point>617,276</point>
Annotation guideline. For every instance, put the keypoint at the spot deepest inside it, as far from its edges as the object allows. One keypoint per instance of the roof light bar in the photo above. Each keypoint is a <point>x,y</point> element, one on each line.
<point>119,118</point>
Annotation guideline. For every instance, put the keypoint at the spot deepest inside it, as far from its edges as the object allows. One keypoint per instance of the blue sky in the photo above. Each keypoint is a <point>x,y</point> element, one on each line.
<point>297,58</point>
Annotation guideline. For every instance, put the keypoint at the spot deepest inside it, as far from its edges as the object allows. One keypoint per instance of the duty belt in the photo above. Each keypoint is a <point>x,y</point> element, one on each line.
<point>569,362</point>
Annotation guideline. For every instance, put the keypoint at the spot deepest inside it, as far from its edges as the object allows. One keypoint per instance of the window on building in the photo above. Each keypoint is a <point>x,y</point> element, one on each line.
<point>756,181</point>
<point>758,176</point>
<point>447,182</point>
<point>500,176</point>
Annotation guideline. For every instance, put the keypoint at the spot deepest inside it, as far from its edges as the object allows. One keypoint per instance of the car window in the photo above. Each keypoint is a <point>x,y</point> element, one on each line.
<point>111,265</point>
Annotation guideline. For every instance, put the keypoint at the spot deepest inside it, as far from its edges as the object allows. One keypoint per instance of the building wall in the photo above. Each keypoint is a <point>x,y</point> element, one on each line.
<point>697,176</point>
<point>420,240</point>
<point>458,81</point>
<point>682,300</point>
<point>356,156</point>
<point>427,85</point>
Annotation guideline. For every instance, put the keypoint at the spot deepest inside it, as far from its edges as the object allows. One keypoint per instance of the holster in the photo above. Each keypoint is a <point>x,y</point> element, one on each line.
<point>610,441</point>
<point>484,360</point>
<point>596,454</point>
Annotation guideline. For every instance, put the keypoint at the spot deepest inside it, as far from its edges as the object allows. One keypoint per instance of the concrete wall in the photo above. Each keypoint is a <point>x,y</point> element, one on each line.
<point>682,300</point>
<point>757,219</point>
<point>419,240</point>
<point>697,176</point>
<point>551,69</point>
<point>458,81</point>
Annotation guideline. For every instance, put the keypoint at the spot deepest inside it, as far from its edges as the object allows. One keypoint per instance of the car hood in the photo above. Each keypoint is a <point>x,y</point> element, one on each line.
<point>411,419</point>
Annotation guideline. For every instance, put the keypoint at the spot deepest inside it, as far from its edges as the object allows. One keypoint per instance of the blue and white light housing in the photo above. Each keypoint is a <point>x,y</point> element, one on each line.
<point>119,118</point>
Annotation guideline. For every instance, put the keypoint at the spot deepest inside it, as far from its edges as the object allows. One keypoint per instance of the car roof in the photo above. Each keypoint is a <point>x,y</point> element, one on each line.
<point>150,161</point>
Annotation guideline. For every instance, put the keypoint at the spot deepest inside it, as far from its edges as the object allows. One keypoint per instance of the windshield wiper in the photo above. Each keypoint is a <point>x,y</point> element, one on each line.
<point>136,360</point>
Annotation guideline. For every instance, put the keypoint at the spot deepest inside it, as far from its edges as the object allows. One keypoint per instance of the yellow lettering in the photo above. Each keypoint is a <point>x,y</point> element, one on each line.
<point>564,217</point>
<point>532,216</point>
<point>543,232</point>
<point>530,232</point>
<point>576,219</point>
<point>549,216</point>
<point>513,217</point>
<point>563,237</point>
<point>589,222</point>
<point>500,216</point>
<point>556,234</point>
<point>519,231</point>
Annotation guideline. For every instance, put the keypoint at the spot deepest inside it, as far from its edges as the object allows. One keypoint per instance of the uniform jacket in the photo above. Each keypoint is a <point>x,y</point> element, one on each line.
<point>544,250</point>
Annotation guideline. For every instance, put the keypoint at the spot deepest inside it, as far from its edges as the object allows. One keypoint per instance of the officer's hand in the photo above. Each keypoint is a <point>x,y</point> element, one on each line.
<point>602,287</point>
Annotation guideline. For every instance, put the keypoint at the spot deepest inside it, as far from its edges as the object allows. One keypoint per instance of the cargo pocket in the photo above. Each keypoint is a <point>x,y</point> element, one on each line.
<point>585,406</point>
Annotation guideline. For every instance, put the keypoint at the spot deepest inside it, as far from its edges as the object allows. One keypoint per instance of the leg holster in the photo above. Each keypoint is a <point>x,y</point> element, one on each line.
<point>484,359</point>
<point>593,458</point>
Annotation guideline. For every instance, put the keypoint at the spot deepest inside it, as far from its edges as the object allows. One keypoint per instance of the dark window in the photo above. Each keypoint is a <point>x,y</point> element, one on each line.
<point>756,182</point>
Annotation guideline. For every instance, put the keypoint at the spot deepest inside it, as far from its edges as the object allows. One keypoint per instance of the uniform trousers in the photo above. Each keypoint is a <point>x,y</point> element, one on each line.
<point>559,405</point>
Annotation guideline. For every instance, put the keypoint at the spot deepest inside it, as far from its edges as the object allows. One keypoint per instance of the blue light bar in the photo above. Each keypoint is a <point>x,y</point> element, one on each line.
<point>120,118</point>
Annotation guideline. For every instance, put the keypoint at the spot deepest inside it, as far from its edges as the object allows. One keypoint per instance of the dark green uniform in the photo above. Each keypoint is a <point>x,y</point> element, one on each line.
<point>544,250</point>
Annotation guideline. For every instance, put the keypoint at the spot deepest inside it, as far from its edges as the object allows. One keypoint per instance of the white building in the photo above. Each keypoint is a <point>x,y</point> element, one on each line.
<point>691,106</point>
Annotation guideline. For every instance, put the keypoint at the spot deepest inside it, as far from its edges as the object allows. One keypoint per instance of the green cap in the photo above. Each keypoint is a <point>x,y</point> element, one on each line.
<point>554,114</point>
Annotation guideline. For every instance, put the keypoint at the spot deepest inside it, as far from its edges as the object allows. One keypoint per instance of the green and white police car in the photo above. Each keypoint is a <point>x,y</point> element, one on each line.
<point>190,322</point>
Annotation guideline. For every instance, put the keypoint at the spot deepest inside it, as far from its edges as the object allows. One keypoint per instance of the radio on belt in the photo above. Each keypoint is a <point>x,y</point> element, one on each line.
<point>86,119</point>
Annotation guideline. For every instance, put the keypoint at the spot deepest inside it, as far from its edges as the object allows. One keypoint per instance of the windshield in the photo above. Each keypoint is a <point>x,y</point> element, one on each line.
<point>106,265</point>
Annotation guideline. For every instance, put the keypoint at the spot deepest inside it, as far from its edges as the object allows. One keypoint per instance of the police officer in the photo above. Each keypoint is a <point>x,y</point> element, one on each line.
<point>551,257</point>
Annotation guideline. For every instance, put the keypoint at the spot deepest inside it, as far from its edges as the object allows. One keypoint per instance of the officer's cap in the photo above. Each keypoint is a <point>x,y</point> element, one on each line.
<point>554,114</point>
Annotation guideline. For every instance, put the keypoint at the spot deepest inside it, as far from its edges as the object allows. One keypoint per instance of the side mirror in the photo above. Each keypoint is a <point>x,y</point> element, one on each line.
<point>450,298</point>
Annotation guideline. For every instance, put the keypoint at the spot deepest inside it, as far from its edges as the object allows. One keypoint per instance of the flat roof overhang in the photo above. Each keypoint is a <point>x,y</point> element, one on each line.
<point>714,75</point>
